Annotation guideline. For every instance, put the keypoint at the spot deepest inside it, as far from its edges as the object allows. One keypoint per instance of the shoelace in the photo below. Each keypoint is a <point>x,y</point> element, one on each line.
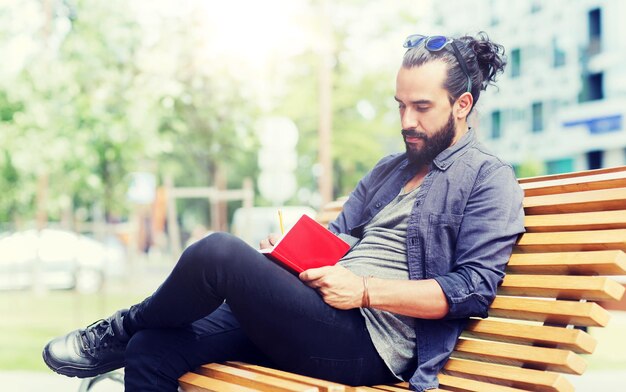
<point>94,337</point>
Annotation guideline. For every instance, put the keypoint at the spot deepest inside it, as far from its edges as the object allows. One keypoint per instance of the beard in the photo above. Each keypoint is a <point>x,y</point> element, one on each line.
<point>433,144</point>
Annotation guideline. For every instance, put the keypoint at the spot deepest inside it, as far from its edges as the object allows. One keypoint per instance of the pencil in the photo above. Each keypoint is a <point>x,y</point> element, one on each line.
<point>280,222</point>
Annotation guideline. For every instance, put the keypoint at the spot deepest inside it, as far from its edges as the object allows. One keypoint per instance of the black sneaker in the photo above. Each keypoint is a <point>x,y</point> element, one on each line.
<point>88,352</point>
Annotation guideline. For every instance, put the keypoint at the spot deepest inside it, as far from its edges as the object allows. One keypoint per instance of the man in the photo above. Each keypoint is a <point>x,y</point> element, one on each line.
<point>436,226</point>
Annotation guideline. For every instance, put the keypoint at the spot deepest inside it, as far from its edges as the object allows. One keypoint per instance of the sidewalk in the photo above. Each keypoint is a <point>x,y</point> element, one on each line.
<point>26,381</point>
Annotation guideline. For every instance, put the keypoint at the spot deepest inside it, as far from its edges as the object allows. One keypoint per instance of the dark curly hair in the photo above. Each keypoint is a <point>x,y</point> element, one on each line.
<point>485,60</point>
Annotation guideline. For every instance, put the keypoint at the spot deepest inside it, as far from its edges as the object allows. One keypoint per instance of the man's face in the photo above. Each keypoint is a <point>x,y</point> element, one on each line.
<point>428,125</point>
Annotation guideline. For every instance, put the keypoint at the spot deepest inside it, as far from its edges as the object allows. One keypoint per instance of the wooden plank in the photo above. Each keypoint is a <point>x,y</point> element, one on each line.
<point>390,388</point>
<point>540,335</point>
<point>193,382</point>
<point>616,179</point>
<point>604,262</point>
<point>597,220</point>
<point>530,379</point>
<point>570,241</point>
<point>583,173</point>
<point>599,200</point>
<point>400,387</point>
<point>542,358</point>
<point>322,385</point>
<point>550,311</point>
<point>469,385</point>
<point>594,288</point>
<point>253,380</point>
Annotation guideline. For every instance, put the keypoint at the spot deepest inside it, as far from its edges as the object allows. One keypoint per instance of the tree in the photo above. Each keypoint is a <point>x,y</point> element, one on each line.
<point>365,122</point>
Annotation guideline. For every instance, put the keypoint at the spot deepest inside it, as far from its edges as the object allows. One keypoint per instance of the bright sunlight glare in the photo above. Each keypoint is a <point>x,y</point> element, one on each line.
<point>253,31</point>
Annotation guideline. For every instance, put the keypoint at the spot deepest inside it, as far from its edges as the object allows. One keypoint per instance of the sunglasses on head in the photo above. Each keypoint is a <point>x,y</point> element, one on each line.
<point>435,43</point>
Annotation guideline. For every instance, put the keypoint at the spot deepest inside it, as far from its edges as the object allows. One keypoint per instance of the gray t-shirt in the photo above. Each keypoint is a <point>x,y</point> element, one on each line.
<point>382,254</point>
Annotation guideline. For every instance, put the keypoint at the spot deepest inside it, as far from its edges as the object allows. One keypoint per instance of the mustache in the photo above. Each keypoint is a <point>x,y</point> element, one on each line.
<point>406,133</point>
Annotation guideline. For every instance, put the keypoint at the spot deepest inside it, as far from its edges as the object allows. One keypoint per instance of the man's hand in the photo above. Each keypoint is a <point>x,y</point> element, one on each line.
<point>270,241</point>
<point>339,287</point>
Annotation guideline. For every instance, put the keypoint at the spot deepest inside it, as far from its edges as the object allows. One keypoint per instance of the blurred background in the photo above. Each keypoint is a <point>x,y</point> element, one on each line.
<point>130,129</point>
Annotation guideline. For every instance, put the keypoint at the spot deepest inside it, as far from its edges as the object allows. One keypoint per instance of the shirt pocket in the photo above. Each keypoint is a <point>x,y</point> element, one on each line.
<point>443,230</point>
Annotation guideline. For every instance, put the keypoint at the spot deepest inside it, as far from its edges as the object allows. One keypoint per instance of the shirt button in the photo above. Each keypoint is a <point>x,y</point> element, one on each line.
<point>378,205</point>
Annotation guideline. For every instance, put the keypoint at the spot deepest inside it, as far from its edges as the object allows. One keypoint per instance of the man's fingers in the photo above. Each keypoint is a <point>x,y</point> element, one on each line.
<point>313,274</point>
<point>273,239</point>
<point>270,241</point>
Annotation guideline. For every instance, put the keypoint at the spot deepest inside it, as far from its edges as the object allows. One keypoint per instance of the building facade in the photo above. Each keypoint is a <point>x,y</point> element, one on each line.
<point>561,103</point>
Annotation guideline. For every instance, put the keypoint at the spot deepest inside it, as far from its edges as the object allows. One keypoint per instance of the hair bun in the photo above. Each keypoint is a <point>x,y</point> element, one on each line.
<point>490,57</point>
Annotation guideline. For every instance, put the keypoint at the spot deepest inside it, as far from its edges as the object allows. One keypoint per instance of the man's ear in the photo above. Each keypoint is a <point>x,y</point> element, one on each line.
<point>463,105</point>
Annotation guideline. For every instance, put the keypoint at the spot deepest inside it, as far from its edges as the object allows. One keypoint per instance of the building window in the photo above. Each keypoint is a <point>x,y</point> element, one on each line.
<point>595,31</point>
<point>594,159</point>
<point>516,63</point>
<point>558,54</point>
<point>535,7</point>
<point>494,20</point>
<point>537,113</point>
<point>565,165</point>
<point>496,125</point>
<point>593,89</point>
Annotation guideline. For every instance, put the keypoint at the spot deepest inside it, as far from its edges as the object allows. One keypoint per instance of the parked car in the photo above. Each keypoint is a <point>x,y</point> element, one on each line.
<point>56,259</point>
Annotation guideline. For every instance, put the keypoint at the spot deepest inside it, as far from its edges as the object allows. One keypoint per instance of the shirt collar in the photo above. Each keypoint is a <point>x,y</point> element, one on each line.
<point>452,153</point>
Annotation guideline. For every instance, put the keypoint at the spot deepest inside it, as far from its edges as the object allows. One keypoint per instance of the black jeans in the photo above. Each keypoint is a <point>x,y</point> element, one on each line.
<point>269,317</point>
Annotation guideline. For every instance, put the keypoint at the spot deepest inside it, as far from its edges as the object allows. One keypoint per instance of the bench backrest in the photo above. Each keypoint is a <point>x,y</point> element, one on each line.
<point>576,236</point>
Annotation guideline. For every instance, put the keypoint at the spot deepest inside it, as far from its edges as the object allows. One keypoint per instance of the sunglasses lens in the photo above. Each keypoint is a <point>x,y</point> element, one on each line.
<point>413,40</point>
<point>436,42</point>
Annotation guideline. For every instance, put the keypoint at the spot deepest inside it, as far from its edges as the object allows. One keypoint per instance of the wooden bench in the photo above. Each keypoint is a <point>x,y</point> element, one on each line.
<point>576,237</point>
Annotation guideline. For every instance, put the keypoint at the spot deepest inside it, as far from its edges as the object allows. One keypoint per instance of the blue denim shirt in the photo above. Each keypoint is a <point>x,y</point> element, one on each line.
<point>466,218</point>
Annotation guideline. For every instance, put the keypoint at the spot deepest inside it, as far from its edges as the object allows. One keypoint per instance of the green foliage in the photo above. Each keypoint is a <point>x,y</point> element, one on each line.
<point>95,90</point>
<point>530,168</point>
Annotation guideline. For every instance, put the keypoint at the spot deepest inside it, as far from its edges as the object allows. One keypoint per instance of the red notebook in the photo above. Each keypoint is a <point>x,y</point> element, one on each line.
<point>307,245</point>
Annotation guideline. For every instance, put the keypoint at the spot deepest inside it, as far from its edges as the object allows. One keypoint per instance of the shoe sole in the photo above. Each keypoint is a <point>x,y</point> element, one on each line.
<point>79,372</point>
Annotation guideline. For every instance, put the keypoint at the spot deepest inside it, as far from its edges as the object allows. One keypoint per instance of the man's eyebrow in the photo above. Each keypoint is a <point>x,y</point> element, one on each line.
<point>417,102</point>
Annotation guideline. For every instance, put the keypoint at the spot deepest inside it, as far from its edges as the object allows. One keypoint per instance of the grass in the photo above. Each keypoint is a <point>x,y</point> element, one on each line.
<point>610,354</point>
<point>29,320</point>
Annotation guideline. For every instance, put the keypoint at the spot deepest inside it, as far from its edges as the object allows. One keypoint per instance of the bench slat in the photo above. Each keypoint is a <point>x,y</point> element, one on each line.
<point>577,174</point>
<point>192,382</point>
<point>322,385</point>
<point>469,385</point>
<point>575,184</point>
<point>541,335</point>
<point>550,311</point>
<point>600,200</point>
<point>604,262</point>
<point>593,288</point>
<point>542,358</point>
<point>569,241</point>
<point>530,379</point>
<point>390,388</point>
<point>253,380</point>
<point>597,220</point>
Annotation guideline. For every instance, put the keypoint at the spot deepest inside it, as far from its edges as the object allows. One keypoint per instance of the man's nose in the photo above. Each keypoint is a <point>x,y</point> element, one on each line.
<point>409,119</point>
